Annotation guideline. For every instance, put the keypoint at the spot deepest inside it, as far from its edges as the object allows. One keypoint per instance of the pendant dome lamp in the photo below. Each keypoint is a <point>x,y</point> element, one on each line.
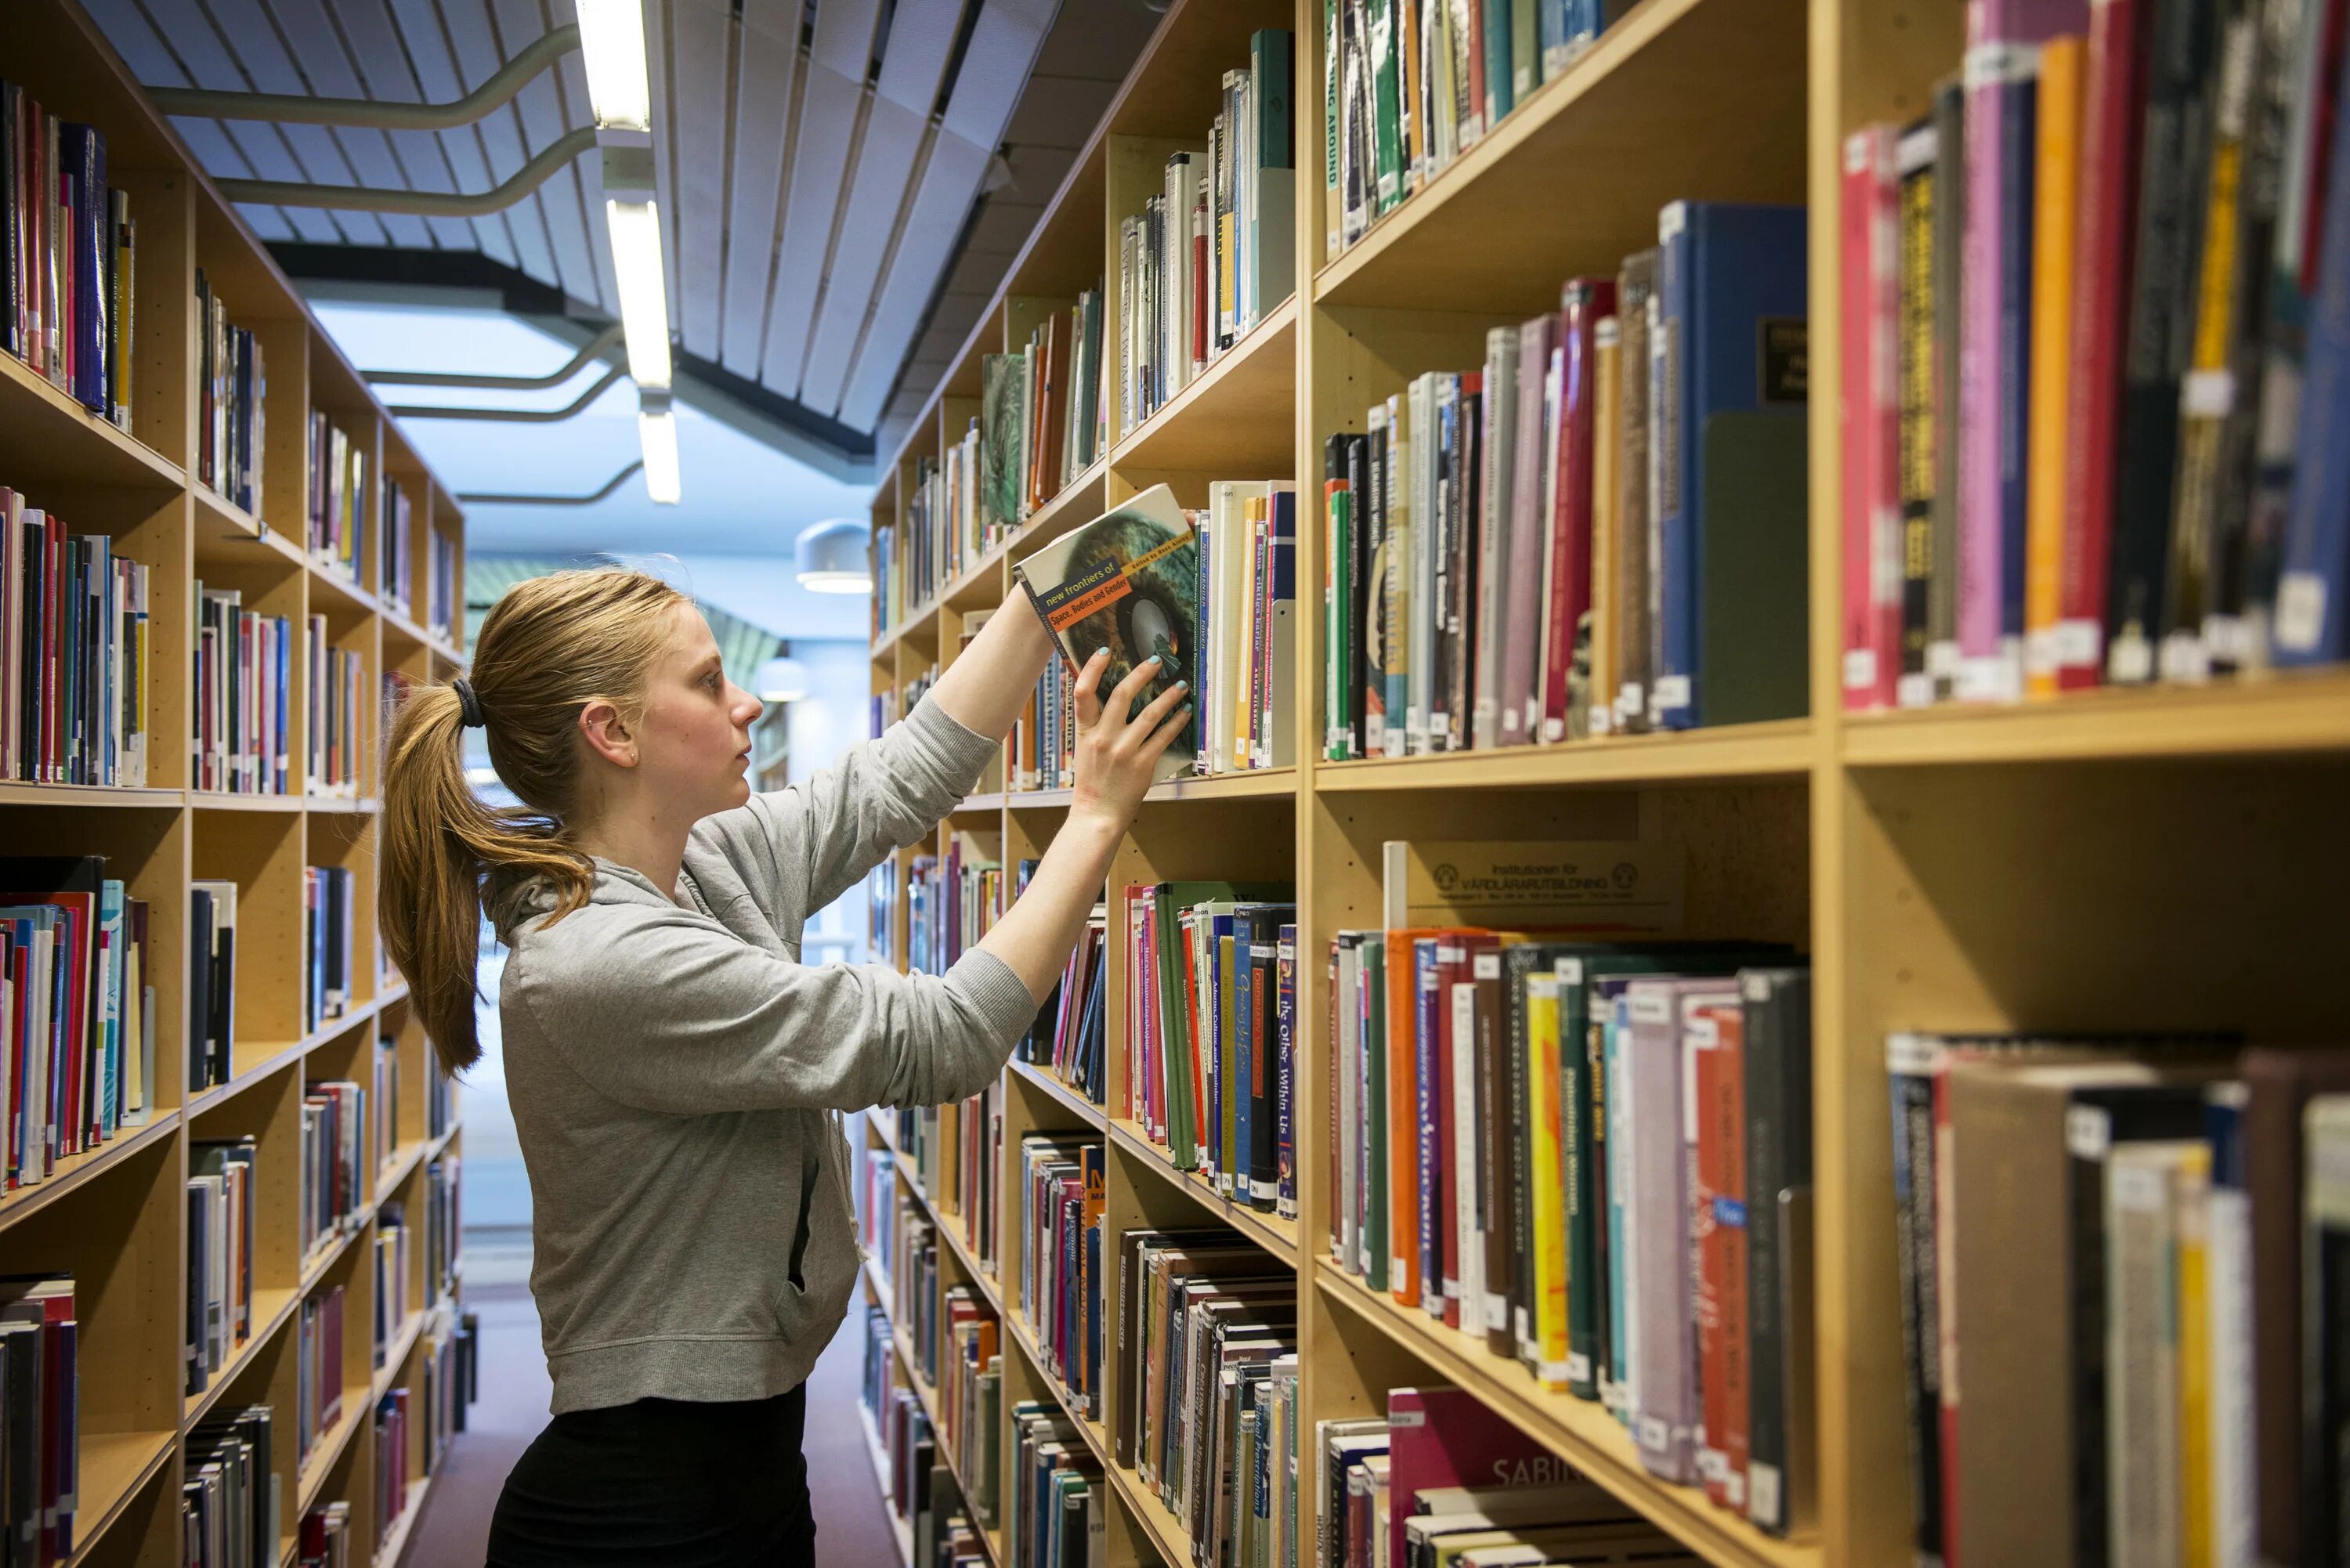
<point>831,557</point>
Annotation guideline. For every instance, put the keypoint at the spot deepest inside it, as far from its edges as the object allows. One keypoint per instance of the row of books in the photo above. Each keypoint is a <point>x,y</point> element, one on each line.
<point>326,1540</point>
<point>452,1367</point>
<point>1407,86</point>
<point>1585,1151</point>
<point>1244,635</point>
<point>318,1371</point>
<point>440,1103</point>
<point>1057,1287</point>
<point>1041,753</point>
<point>329,909</point>
<point>1211,1031</point>
<point>1070,1039</point>
<point>953,1153</point>
<point>74,655</point>
<point>336,513</point>
<point>1046,418</point>
<point>40,1415</point>
<point>387,1098</point>
<point>337,1185</point>
<point>873,1195</point>
<point>1602,529</point>
<point>1440,1478</point>
<point>396,579</point>
<point>2082,298</point>
<point>231,1495</point>
<point>211,982</point>
<point>917,1483</point>
<point>71,263</point>
<point>77,1010</point>
<point>1215,1324</point>
<point>2143,1252</point>
<point>967,1372</point>
<point>391,1268</point>
<point>913,1265</point>
<point>231,403</point>
<point>444,593</point>
<point>1214,251</point>
<point>1058,1516</point>
<point>443,1227</point>
<point>221,1191</point>
<point>951,900</point>
<point>245,675</point>
<point>337,716</point>
<point>391,1484</point>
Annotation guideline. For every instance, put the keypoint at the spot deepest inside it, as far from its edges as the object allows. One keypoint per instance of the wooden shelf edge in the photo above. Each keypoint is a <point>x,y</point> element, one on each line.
<point>950,1231</point>
<point>1097,1117</point>
<point>22,385</point>
<point>397,1170</point>
<point>396,1538</point>
<point>1276,1235</point>
<point>18,792</point>
<point>1578,1430</point>
<point>76,1170</point>
<point>395,1357</point>
<point>899,1530</point>
<point>329,1450</point>
<point>1133,448</point>
<point>2282,713</point>
<point>194,1407</point>
<point>136,1458</point>
<point>1778,748</point>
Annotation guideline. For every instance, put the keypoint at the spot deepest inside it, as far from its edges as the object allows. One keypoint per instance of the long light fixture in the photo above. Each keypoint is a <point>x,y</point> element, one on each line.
<point>612,40</point>
<point>644,290</point>
<point>656,432</point>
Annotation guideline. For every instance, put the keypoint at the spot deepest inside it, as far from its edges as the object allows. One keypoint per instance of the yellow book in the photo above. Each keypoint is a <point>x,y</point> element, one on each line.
<point>1606,522</point>
<point>1546,1184</point>
<point>2054,220</point>
<point>2192,1192</point>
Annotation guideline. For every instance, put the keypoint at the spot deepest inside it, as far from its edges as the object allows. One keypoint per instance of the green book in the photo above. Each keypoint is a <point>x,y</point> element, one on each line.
<point>1525,47</point>
<point>1387,105</point>
<point>1004,421</point>
<point>1499,97</point>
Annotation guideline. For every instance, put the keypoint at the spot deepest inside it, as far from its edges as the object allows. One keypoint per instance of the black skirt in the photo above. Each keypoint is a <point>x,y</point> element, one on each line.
<point>661,1481</point>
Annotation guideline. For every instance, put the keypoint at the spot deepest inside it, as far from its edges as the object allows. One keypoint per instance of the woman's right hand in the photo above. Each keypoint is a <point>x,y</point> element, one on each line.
<point>1118,749</point>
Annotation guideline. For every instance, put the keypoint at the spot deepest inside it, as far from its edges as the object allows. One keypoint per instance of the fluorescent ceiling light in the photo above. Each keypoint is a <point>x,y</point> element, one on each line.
<point>658,433</point>
<point>612,40</point>
<point>644,292</point>
<point>832,558</point>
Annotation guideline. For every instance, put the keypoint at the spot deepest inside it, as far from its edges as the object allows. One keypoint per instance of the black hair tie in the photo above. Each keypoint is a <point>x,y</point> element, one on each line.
<point>468,701</point>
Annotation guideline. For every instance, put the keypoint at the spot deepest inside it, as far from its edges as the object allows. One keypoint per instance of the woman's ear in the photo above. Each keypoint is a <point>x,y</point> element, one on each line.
<point>606,734</point>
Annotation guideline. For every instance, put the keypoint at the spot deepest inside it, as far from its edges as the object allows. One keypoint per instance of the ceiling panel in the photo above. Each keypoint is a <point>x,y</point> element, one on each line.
<point>812,198</point>
<point>700,99</point>
<point>766,86</point>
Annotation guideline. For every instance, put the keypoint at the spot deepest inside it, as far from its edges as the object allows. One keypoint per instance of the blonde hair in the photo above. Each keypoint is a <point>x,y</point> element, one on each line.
<point>549,647</point>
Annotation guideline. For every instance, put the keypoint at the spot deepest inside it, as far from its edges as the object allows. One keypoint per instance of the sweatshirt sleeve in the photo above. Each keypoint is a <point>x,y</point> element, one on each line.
<point>882,794</point>
<point>670,1015</point>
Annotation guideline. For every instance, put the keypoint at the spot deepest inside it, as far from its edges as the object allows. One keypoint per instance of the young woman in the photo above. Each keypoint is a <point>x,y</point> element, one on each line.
<point>672,1064</point>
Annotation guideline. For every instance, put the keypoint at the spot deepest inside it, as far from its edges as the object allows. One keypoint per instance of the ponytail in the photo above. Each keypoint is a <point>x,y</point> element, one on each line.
<point>547,648</point>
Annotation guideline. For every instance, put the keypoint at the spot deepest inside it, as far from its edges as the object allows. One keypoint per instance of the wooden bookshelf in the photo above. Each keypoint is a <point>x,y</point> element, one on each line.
<point>2154,859</point>
<point>114,1215</point>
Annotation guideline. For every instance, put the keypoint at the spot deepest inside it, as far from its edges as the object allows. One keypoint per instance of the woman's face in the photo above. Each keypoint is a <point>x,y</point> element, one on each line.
<point>696,748</point>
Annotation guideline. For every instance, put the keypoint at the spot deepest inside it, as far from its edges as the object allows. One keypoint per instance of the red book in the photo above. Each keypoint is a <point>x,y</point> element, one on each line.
<point>2113,105</point>
<point>1448,1437</point>
<point>1584,300</point>
<point>1870,411</point>
<point>1203,309</point>
<point>1719,1215</point>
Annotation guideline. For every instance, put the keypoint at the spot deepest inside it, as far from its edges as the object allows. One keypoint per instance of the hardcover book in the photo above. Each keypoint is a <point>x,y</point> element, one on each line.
<point>1128,582</point>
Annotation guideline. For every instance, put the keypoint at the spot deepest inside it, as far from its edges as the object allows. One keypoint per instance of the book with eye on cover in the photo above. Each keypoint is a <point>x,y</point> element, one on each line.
<point>1127,581</point>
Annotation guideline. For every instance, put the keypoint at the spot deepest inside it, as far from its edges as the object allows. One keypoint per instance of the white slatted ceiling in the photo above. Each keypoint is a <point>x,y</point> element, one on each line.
<point>897,125</point>
<point>829,121</point>
<point>808,214</point>
<point>699,102</point>
<point>995,66</point>
<point>425,46</point>
<point>766,88</point>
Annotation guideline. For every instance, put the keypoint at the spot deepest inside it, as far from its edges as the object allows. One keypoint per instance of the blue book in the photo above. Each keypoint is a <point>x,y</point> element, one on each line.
<point>1733,295</point>
<point>2310,611</point>
<point>1556,20</point>
<point>109,1005</point>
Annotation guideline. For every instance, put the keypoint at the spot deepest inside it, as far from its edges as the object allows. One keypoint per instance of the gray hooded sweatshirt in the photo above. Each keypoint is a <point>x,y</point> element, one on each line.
<point>673,1066</point>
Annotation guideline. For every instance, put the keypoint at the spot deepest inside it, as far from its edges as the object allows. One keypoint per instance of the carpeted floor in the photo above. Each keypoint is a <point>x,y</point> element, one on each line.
<point>852,1530</point>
